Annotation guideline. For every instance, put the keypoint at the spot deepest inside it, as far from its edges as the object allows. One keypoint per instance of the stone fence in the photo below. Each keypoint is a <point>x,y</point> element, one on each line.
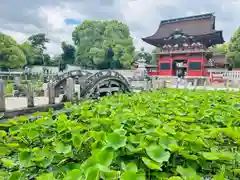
<point>190,82</point>
<point>72,91</point>
<point>70,95</point>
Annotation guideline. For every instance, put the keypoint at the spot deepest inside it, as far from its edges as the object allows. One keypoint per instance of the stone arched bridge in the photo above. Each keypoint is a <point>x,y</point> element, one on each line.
<point>91,85</point>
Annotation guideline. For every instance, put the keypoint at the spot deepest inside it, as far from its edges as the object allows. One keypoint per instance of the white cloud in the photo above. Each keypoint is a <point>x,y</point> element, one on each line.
<point>21,19</point>
<point>19,36</point>
<point>56,28</point>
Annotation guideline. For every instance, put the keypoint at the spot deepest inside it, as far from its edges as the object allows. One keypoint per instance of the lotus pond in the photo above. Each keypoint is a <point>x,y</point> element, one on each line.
<point>169,134</point>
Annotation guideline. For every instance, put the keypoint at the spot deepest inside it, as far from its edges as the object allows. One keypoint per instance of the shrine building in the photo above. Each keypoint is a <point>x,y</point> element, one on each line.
<point>183,44</point>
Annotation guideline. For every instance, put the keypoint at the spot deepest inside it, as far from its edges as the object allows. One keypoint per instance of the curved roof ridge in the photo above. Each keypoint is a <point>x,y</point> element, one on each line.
<point>188,18</point>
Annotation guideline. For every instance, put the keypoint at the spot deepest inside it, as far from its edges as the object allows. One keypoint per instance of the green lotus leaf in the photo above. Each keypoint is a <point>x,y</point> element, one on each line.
<point>157,153</point>
<point>151,164</point>
<point>116,140</point>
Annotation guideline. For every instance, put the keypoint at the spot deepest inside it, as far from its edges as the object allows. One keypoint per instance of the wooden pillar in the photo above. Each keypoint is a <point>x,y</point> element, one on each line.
<point>30,95</point>
<point>2,96</point>
<point>70,89</point>
<point>51,93</point>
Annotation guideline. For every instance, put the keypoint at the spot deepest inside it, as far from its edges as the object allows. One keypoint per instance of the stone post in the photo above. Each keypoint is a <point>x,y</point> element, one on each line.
<point>185,84</point>
<point>78,90</point>
<point>178,82</point>
<point>205,84</point>
<point>45,89</point>
<point>227,83</point>
<point>153,84</point>
<point>17,81</point>
<point>146,86</point>
<point>30,95</point>
<point>45,86</point>
<point>70,89</point>
<point>158,84</point>
<point>195,83</point>
<point>235,82</point>
<point>61,90</point>
<point>238,83</point>
<point>2,96</point>
<point>51,93</point>
<point>149,85</point>
<point>98,91</point>
<point>164,83</point>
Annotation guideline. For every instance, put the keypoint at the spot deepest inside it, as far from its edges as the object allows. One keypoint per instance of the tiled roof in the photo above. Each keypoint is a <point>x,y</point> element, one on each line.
<point>199,25</point>
<point>193,25</point>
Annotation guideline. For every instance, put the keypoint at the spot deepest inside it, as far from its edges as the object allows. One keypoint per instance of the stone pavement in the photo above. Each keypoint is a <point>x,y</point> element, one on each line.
<point>14,103</point>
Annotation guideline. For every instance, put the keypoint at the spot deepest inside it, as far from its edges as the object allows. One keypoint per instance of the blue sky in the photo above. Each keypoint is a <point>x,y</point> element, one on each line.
<point>72,21</point>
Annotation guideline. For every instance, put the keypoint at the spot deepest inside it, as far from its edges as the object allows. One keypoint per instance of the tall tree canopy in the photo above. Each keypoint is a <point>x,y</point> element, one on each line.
<point>220,48</point>
<point>101,44</point>
<point>154,59</point>
<point>231,49</point>
<point>234,49</point>
<point>11,56</point>
<point>33,55</point>
<point>36,51</point>
<point>39,40</point>
<point>68,55</point>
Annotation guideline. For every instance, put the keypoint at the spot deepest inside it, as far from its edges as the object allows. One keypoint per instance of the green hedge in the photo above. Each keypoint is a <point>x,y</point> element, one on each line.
<point>168,134</point>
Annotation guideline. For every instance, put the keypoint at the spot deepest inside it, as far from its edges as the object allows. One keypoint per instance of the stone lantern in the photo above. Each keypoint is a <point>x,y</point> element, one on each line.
<point>141,72</point>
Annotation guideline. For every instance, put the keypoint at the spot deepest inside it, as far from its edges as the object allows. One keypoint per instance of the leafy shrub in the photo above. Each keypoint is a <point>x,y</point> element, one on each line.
<point>167,134</point>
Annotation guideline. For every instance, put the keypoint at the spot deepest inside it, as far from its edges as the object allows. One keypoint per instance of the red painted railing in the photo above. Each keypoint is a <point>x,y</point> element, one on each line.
<point>153,73</point>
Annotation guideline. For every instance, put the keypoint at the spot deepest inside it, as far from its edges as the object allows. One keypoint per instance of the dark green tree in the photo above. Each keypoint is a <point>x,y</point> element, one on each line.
<point>233,53</point>
<point>154,59</point>
<point>11,56</point>
<point>55,60</point>
<point>220,48</point>
<point>68,55</point>
<point>39,40</point>
<point>46,59</point>
<point>38,47</point>
<point>94,39</point>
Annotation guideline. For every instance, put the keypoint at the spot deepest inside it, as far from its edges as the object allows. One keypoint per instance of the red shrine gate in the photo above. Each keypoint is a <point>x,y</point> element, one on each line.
<point>189,65</point>
<point>183,46</point>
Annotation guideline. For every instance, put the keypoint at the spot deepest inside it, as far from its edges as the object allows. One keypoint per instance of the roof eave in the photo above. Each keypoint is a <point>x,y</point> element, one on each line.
<point>157,42</point>
<point>150,41</point>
